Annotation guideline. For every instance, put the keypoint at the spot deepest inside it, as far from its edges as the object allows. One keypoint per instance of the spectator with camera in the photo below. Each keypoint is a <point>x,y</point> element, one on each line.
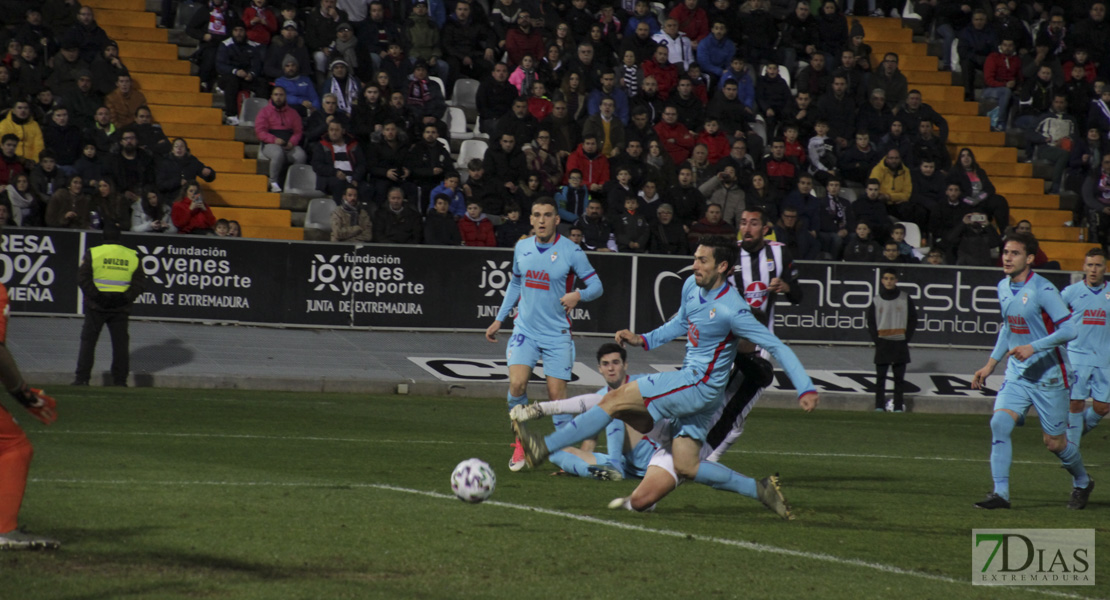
<point>973,242</point>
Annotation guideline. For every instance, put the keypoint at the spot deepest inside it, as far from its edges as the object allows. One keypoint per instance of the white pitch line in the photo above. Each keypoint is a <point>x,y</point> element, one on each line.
<point>448,442</point>
<point>745,545</point>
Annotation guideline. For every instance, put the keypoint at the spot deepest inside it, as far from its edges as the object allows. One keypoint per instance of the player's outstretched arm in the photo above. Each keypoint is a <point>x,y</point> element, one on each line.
<point>745,325</point>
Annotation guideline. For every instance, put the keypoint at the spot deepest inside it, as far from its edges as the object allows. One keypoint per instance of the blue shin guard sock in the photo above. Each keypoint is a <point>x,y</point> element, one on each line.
<point>570,463</point>
<point>1002,452</point>
<point>1073,462</point>
<point>614,444</point>
<point>1090,419</point>
<point>517,400</point>
<point>1075,428</point>
<point>720,477</point>
<point>583,427</point>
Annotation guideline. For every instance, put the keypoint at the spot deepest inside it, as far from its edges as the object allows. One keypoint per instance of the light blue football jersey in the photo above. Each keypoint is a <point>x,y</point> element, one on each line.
<point>1035,314</point>
<point>542,275</point>
<point>713,322</point>
<point>1088,309</point>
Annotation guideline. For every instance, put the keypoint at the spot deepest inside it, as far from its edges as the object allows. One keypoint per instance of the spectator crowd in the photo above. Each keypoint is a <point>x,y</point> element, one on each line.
<point>649,124</point>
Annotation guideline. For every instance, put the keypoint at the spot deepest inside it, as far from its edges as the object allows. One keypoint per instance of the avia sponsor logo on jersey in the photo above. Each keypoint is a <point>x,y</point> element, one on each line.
<point>1017,324</point>
<point>692,333</point>
<point>537,280</point>
<point>350,273</point>
<point>25,267</point>
<point>495,277</point>
<point>1095,316</point>
<point>197,267</point>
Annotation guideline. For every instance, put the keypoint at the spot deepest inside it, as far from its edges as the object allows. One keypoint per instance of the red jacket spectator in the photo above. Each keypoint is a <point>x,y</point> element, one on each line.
<point>265,29</point>
<point>275,125</point>
<point>9,168</point>
<point>595,171</point>
<point>717,144</point>
<point>477,233</point>
<point>539,107</point>
<point>1090,71</point>
<point>518,43</point>
<point>683,141</point>
<point>665,75</point>
<point>187,219</point>
<point>694,23</point>
<point>1001,68</point>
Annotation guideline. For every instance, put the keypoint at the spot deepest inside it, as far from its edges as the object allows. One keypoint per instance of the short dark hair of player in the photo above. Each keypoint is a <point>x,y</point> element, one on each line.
<point>724,249</point>
<point>1096,252</point>
<point>546,200</point>
<point>1025,239</point>
<point>610,348</point>
<point>759,210</point>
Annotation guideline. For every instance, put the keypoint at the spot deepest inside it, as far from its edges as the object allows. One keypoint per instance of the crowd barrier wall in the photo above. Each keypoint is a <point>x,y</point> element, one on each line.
<point>317,284</point>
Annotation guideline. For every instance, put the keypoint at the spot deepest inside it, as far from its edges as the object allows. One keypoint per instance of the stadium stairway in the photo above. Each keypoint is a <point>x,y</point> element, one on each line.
<point>1023,184</point>
<point>241,190</point>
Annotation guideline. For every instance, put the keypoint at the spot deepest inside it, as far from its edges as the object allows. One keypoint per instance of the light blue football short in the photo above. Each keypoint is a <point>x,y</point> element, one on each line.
<point>1091,383</point>
<point>680,395</point>
<point>1051,402</point>
<point>557,354</point>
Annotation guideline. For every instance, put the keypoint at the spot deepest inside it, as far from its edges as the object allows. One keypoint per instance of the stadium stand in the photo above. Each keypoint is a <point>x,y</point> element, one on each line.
<point>899,56</point>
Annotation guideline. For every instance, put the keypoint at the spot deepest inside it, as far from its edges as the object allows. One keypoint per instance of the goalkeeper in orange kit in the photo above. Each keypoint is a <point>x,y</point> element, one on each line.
<point>15,448</point>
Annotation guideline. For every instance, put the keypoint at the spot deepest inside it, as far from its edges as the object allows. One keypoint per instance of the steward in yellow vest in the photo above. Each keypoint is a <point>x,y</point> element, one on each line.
<point>111,278</point>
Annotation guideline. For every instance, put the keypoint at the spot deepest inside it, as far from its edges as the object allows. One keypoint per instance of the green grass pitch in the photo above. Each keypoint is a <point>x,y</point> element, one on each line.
<point>231,494</point>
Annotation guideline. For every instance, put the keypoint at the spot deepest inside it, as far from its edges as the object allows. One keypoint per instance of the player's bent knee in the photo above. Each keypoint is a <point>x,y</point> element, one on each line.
<point>1101,408</point>
<point>1002,423</point>
<point>1055,443</point>
<point>1077,406</point>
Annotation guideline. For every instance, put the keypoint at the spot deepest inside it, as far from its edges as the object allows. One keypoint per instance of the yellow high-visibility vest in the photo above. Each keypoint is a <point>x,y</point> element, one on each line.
<point>113,265</point>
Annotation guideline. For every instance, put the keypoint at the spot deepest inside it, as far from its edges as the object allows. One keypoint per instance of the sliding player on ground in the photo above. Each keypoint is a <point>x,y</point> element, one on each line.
<point>544,270</point>
<point>1036,322</point>
<point>627,451</point>
<point>713,317</point>
<point>751,376</point>
<point>1089,352</point>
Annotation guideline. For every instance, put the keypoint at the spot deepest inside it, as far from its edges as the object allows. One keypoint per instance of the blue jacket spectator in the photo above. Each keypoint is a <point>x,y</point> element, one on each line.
<point>714,55</point>
<point>458,200</point>
<point>572,202</point>
<point>299,89</point>
<point>593,103</point>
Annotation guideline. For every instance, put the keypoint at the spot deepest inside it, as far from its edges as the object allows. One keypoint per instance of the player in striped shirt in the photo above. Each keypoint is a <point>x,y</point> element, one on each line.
<point>713,317</point>
<point>1089,353</point>
<point>546,267</point>
<point>1036,322</point>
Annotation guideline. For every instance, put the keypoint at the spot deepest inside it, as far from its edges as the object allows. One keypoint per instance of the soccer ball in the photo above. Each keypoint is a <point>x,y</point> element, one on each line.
<point>473,480</point>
